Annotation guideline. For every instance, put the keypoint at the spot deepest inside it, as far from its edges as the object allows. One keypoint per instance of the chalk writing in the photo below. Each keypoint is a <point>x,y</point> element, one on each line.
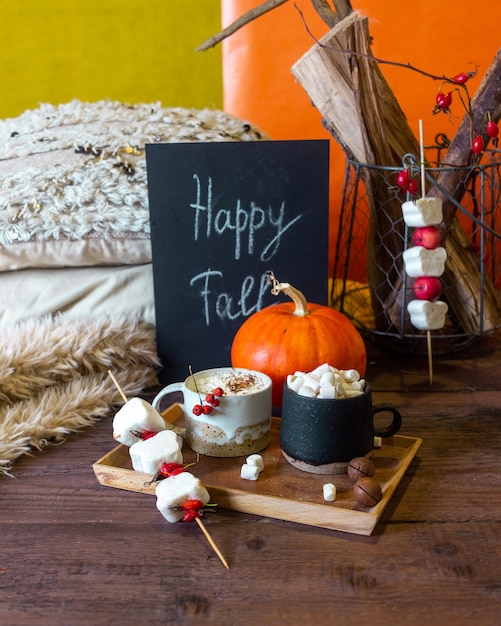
<point>243,223</point>
<point>223,304</point>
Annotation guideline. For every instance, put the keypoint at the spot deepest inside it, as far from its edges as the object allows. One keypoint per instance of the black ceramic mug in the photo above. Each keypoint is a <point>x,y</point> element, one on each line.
<point>322,435</point>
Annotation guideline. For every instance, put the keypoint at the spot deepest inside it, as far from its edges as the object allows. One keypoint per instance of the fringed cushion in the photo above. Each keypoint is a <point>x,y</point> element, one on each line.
<point>73,186</point>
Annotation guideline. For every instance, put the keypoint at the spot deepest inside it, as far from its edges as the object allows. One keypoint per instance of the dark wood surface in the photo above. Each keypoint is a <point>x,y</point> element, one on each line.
<point>77,553</point>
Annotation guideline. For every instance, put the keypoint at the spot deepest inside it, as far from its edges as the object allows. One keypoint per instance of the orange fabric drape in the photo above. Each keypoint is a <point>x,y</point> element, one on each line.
<point>443,38</point>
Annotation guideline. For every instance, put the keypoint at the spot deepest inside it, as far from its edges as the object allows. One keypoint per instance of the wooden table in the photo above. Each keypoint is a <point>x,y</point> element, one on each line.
<point>77,553</point>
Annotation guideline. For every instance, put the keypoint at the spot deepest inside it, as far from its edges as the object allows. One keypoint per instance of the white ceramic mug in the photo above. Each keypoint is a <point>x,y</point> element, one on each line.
<point>239,425</point>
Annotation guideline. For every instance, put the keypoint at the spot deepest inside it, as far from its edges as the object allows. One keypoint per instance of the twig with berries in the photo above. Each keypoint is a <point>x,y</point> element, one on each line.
<point>211,399</point>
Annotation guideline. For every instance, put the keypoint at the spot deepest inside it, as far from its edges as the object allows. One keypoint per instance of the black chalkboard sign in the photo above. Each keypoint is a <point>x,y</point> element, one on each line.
<point>222,214</point>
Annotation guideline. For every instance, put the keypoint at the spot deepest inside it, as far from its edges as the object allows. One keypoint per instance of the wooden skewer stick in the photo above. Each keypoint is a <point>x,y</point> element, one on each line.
<point>423,194</point>
<point>120,390</point>
<point>212,542</point>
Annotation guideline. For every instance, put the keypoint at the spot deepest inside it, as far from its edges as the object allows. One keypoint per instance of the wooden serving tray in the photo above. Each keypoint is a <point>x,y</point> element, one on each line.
<point>281,491</point>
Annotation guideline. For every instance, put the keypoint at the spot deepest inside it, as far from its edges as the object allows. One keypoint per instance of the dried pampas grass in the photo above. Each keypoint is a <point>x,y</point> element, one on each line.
<point>54,376</point>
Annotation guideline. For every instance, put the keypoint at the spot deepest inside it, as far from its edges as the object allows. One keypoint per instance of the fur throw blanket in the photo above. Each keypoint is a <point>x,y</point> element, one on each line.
<point>54,376</point>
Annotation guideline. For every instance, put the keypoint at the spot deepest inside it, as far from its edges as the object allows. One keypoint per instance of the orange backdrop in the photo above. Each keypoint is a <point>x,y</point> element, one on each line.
<point>443,37</point>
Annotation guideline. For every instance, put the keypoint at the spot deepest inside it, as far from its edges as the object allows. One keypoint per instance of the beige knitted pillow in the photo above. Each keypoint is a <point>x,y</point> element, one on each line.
<point>73,186</point>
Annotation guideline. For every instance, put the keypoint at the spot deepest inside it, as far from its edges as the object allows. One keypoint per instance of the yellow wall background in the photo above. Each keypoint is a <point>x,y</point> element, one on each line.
<point>135,51</point>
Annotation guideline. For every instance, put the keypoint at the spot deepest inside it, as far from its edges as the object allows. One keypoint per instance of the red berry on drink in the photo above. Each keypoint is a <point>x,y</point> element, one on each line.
<point>209,398</point>
<point>478,145</point>
<point>412,186</point>
<point>197,409</point>
<point>492,129</point>
<point>215,402</point>
<point>403,178</point>
<point>218,391</point>
<point>146,434</point>
<point>206,409</point>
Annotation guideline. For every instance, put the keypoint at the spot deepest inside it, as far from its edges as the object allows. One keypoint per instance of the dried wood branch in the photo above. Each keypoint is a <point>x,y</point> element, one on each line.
<point>243,20</point>
<point>322,7</point>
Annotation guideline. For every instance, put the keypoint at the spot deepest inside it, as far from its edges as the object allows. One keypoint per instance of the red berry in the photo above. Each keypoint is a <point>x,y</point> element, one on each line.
<point>215,402</point>
<point>192,505</point>
<point>492,129</point>
<point>478,145</point>
<point>412,186</point>
<point>206,409</point>
<point>146,434</point>
<point>443,100</point>
<point>190,516</point>
<point>209,398</point>
<point>427,287</point>
<point>177,470</point>
<point>218,391</point>
<point>461,78</point>
<point>197,409</point>
<point>427,236</point>
<point>168,468</point>
<point>403,178</point>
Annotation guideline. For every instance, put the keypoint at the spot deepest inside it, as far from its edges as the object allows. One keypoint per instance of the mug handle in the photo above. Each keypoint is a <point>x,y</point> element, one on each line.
<point>396,423</point>
<point>173,387</point>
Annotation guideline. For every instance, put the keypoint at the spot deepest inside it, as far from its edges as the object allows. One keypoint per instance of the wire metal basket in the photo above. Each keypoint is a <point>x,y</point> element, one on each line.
<point>370,284</point>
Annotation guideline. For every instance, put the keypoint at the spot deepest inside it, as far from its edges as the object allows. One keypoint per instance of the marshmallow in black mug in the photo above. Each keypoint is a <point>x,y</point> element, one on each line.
<point>321,435</point>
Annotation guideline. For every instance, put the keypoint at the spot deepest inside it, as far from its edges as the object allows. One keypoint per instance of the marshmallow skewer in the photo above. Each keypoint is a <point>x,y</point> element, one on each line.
<point>201,525</point>
<point>175,490</point>
<point>423,194</point>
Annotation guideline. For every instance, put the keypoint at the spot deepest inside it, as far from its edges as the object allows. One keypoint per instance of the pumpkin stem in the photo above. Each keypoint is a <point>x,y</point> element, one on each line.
<point>294,294</point>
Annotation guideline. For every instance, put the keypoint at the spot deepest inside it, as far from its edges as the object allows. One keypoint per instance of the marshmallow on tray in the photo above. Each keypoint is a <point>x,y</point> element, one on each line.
<point>249,472</point>
<point>329,491</point>
<point>420,261</point>
<point>136,415</point>
<point>327,382</point>
<point>256,459</point>
<point>172,492</point>
<point>150,454</point>
<point>422,212</point>
<point>426,315</point>
<point>253,466</point>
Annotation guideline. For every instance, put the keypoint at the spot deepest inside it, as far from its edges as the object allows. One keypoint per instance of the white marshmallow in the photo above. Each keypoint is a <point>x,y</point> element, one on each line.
<point>312,382</point>
<point>426,315</point>
<point>173,491</point>
<point>327,391</point>
<point>329,492</point>
<point>249,472</point>
<point>419,261</point>
<point>257,460</point>
<point>295,383</point>
<point>327,378</point>
<point>136,414</point>
<point>350,376</point>
<point>307,392</point>
<point>150,454</point>
<point>320,370</point>
<point>422,212</point>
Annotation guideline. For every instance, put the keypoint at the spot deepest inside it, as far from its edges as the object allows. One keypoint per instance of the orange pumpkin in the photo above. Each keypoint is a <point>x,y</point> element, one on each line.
<point>290,336</point>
